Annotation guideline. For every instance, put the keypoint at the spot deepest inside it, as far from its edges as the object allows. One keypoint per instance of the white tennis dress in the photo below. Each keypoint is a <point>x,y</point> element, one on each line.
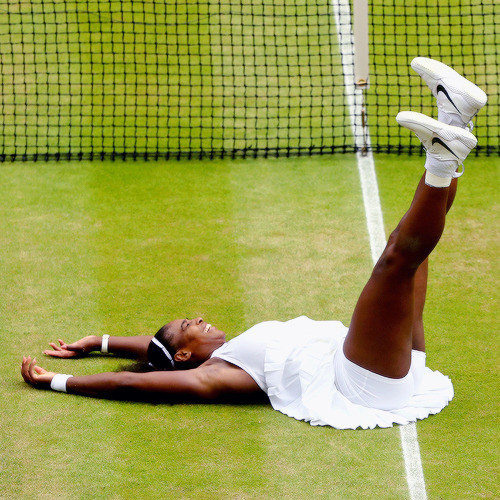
<point>292,362</point>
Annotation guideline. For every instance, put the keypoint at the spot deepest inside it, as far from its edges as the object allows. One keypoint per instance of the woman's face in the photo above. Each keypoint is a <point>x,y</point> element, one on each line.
<point>195,339</point>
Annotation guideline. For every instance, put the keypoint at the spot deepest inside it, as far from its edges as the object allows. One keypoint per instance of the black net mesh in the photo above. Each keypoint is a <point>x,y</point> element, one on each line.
<point>463,34</point>
<point>159,78</point>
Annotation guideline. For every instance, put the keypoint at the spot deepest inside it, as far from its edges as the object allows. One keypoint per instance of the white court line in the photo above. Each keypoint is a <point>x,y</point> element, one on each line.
<point>374,219</point>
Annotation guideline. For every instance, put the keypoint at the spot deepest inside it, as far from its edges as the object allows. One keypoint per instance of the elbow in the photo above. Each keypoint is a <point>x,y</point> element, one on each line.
<point>123,386</point>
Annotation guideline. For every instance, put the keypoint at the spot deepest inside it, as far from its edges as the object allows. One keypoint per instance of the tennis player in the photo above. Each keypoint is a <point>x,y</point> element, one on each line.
<point>370,374</point>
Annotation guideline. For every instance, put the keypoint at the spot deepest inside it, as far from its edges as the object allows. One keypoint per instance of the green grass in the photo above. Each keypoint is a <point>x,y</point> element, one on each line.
<point>459,447</point>
<point>123,247</point>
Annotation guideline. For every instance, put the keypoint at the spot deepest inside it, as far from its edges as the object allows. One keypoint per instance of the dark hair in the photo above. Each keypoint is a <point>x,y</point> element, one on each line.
<point>160,351</point>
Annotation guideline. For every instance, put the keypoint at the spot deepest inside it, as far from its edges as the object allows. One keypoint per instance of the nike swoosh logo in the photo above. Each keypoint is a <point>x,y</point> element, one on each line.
<point>437,140</point>
<point>440,88</point>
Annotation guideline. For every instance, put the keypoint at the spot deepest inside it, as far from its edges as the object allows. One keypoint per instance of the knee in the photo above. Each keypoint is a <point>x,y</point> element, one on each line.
<point>396,260</point>
<point>403,252</point>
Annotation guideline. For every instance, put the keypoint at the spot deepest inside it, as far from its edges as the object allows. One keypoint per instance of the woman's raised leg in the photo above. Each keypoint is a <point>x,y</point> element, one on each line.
<point>384,323</point>
<point>420,288</point>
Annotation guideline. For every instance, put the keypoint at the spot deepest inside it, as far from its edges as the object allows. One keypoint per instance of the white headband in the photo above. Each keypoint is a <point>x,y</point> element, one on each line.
<point>165,351</point>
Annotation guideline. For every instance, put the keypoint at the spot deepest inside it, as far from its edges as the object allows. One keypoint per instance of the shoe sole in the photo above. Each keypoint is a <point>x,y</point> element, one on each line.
<point>439,71</point>
<point>413,120</point>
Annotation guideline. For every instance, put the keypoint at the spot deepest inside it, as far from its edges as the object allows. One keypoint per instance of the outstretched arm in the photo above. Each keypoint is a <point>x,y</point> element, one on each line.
<point>211,381</point>
<point>127,347</point>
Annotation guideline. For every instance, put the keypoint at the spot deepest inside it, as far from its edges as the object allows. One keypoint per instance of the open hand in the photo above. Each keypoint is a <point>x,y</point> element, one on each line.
<point>75,350</point>
<point>35,375</point>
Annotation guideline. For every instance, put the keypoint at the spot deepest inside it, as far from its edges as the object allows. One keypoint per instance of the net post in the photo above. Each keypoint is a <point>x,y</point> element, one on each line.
<point>361,61</point>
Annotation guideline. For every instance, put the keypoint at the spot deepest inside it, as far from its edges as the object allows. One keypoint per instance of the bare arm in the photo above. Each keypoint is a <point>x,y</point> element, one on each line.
<point>212,381</point>
<point>133,386</point>
<point>127,347</point>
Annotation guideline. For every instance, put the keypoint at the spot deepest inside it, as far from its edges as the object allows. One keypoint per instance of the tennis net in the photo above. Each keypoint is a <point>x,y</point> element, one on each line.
<point>90,79</point>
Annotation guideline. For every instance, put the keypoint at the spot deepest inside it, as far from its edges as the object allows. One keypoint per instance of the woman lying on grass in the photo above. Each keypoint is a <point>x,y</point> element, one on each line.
<point>372,374</point>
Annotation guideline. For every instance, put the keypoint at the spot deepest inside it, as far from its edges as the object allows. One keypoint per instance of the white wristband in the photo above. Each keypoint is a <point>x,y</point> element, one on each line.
<point>59,382</point>
<point>105,342</point>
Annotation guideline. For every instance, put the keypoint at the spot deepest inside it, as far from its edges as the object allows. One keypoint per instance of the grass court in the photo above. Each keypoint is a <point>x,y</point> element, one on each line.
<point>121,248</point>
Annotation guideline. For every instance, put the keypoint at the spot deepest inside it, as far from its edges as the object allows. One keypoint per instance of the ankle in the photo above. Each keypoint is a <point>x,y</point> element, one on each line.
<point>440,171</point>
<point>435,181</point>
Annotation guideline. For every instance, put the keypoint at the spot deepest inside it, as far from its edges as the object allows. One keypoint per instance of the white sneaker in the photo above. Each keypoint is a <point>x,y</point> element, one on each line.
<point>458,99</point>
<point>447,146</point>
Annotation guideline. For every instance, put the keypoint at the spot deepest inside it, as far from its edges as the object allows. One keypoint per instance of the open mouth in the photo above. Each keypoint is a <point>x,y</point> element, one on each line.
<point>207,328</point>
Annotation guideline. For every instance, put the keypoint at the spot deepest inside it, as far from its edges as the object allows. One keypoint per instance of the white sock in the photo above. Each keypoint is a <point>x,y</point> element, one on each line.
<point>439,172</point>
<point>435,181</point>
